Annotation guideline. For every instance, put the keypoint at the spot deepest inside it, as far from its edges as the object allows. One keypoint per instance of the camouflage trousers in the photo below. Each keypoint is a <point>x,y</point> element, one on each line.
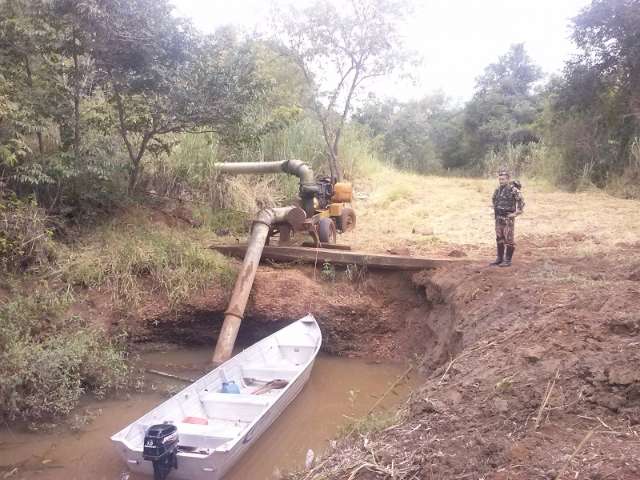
<point>505,230</point>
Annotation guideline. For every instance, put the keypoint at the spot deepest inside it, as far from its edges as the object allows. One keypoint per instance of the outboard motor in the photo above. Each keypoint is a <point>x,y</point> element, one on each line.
<point>161,448</point>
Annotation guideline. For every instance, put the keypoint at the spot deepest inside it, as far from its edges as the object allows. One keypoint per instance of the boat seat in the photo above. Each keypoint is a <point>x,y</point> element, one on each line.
<point>234,406</point>
<point>297,354</point>
<point>202,436</point>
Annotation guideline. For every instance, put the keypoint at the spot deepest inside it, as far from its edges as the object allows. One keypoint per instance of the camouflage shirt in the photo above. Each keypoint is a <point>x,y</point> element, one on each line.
<point>508,199</point>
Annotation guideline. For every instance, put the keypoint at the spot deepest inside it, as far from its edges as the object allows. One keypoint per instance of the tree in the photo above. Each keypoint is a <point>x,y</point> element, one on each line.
<point>604,81</point>
<point>421,135</point>
<point>377,114</point>
<point>593,113</point>
<point>77,74</point>
<point>28,68</point>
<point>504,107</point>
<point>163,78</point>
<point>338,50</point>
<point>38,83</point>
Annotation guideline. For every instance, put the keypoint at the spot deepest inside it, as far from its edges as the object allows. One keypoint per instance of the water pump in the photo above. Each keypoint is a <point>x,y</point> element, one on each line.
<point>161,448</point>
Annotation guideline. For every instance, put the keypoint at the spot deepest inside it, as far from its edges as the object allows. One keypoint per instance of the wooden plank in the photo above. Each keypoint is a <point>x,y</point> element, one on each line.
<point>330,246</point>
<point>337,257</point>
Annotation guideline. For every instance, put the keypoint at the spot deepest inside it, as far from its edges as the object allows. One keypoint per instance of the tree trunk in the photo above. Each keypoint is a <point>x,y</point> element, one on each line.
<point>334,164</point>
<point>27,67</point>
<point>136,161</point>
<point>40,143</point>
<point>134,173</point>
<point>76,101</point>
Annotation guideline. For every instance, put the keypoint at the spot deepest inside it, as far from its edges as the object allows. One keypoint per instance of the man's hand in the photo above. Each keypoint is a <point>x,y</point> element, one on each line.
<point>512,215</point>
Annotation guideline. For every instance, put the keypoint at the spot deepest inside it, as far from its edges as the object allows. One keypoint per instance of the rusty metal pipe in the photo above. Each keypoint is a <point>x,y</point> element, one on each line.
<point>244,281</point>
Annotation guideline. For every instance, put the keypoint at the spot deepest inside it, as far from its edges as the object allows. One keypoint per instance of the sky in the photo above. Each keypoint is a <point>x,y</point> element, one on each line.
<point>456,39</point>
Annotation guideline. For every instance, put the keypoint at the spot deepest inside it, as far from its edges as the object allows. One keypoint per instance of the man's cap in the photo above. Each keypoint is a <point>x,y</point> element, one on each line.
<point>504,172</point>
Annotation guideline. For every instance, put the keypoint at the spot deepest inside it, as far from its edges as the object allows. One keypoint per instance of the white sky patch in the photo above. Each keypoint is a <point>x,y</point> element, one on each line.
<point>456,39</point>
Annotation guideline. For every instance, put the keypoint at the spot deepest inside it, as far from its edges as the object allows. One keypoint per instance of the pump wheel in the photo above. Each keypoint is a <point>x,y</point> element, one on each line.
<point>327,231</point>
<point>347,220</point>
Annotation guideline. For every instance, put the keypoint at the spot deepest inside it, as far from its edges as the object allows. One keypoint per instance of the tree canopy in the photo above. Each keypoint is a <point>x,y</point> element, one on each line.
<point>78,73</point>
<point>337,51</point>
<point>504,107</point>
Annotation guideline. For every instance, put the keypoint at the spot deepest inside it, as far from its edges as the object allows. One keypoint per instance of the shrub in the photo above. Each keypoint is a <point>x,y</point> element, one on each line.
<point>48,360</point>
<point>25,239</point>
<point>627,185</point>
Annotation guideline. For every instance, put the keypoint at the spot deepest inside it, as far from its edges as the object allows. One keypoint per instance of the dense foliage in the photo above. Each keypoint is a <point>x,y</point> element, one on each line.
<point>96,95</point>
<point>90,91</point>
<point>595,108</point>
<point>580,128</point>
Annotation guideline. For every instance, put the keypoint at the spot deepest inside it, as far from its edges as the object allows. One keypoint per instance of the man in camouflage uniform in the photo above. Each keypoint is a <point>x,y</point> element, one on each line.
<point>508,203</point>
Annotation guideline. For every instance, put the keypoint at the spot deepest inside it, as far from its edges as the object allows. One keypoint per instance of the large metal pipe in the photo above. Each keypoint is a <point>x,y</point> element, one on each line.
<point>244,281</point>
<point>292,167</point>
<point>308,185</point>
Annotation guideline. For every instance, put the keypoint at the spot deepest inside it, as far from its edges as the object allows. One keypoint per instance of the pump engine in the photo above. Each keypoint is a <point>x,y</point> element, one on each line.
<point>324,192</point>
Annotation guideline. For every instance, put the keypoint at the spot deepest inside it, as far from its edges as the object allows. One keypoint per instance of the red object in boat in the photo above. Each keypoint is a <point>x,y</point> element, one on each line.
<point>195,420</point>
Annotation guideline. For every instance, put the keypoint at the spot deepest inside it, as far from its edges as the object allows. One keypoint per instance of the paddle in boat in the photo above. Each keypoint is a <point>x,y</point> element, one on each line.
<point>202,431</point>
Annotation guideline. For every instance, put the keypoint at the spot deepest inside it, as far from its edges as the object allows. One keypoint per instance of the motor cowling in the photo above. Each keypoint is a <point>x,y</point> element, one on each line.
<point>324,191</point>
<point>161,448</point>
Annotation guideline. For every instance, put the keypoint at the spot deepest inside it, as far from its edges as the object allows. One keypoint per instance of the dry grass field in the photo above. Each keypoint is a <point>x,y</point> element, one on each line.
<point>430,214</point>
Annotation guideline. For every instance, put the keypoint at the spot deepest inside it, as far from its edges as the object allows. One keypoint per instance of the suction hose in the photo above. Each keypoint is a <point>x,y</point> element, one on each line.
<point>244,281</point>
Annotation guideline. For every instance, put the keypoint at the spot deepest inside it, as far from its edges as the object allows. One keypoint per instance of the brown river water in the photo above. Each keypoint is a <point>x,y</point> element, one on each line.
<point>339,389</point>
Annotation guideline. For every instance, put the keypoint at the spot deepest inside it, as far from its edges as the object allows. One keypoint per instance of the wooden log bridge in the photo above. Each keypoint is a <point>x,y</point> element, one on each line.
<point>337,257</point>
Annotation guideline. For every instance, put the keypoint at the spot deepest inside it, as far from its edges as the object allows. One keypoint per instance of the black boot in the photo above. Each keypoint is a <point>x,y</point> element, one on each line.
<point>500,257</point>
<point>509,256</point>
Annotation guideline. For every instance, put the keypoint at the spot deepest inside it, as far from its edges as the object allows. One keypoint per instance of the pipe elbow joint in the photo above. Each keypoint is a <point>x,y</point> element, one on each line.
<point>300,170</point>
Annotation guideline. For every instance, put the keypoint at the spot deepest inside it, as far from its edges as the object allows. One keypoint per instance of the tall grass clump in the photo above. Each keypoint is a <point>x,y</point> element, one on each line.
<point>303,140</point>
<point>135,260</point>
<point>627,185</point>
<point>49,359</point>
<point>25,236</point>
<point>360,153</point>
<point>188,170</point>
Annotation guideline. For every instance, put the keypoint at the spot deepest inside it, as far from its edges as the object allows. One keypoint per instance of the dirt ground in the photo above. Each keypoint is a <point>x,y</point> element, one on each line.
<point>531,372</point>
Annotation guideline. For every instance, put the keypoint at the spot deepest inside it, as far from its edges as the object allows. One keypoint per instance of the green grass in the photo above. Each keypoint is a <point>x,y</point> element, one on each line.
<point>133,260</point>
<point>224,219</point>
<point>49,359</point>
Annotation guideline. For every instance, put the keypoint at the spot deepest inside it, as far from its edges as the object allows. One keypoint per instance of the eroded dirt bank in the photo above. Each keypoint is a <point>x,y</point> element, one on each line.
<point>374,316</point>
<point>543,380</point>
